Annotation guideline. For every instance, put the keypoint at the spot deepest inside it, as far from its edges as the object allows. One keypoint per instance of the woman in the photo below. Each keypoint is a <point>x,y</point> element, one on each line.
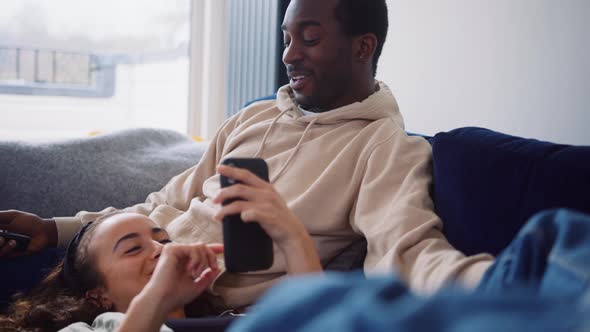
<point>120,263</point>
<point>110,265</point>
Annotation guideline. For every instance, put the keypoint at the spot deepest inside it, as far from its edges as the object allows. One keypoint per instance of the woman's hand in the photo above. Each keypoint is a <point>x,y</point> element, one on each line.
<point>258,201</point>
<point>183,272</point>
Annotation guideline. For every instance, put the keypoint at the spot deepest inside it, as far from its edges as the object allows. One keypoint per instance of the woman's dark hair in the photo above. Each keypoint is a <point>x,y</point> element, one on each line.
<point>358,17</point>
<point>60,299</point>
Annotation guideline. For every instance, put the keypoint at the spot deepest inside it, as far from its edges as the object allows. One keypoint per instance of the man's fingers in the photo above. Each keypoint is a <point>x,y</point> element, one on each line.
<point>234,208</point>
<point>242,175</point>
<point>249,212</point>
<point>253,215</point>
<point>237,191</point>
<point>6,218</point>
<point>217,248</point>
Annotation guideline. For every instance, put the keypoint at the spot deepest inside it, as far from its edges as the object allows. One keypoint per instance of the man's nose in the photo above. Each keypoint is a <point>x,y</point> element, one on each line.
<point>292,54</point>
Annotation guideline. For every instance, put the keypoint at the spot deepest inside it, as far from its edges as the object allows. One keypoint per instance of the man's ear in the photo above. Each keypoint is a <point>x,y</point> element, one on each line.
<point>365,46</point>
<point>99,297</point>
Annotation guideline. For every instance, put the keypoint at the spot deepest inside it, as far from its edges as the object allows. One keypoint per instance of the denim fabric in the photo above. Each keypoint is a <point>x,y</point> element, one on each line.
<point>550,256</point>
<point>539,283</point>
<point>346,302</point>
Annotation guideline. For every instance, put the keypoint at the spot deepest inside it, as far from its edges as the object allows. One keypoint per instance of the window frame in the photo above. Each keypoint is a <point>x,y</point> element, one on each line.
<point>104,72</point>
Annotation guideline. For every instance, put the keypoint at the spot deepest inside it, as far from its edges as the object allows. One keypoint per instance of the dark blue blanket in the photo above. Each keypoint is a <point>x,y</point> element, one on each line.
<point>539,283</point>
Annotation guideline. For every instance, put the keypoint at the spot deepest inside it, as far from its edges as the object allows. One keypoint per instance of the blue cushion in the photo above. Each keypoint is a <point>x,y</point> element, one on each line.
<point>24,272</point>
<point>487,184</point>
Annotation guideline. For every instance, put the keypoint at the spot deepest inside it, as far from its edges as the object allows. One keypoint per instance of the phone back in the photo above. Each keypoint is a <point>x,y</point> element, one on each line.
<point>247,246</point>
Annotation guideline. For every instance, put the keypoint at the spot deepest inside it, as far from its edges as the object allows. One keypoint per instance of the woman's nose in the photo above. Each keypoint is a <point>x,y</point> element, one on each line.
<point>157,249</point>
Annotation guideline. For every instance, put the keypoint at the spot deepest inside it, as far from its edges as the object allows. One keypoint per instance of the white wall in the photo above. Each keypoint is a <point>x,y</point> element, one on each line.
<point>517,66</point>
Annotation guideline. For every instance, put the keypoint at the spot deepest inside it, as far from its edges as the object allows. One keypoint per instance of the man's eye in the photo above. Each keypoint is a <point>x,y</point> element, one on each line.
<point>310,41</point>
<point>165,242</point>
<point>136,248</point>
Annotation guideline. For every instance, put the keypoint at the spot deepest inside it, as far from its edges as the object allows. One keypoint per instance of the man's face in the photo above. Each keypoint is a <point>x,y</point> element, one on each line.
<point>317,55</point>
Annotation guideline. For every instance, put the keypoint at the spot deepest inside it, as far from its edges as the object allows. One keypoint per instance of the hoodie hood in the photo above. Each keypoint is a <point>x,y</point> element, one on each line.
<point>379,105</point>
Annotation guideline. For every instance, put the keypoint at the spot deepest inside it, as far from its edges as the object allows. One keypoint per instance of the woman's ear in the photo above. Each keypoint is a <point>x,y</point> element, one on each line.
<point>99,297</point>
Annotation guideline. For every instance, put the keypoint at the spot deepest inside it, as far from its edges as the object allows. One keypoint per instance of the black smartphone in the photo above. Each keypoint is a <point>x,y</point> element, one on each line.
<point>247,246</point>
<point>22,241</point>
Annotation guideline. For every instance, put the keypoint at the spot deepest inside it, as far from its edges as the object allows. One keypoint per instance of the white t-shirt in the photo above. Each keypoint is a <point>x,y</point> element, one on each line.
<point>107,322</point>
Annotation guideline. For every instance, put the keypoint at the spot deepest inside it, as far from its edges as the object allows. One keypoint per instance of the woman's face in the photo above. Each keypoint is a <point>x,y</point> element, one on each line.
<point>126,248</point>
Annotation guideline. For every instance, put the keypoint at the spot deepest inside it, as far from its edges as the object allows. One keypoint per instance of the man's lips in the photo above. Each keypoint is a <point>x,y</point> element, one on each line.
<point>299,80</point>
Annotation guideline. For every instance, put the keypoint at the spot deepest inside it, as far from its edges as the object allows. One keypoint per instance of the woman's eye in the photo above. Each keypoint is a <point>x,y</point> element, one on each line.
<point>165,242</point>
<point>134,249</point>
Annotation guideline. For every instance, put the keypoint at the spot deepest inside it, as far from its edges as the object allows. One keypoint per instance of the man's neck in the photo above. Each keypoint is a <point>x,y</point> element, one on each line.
<point>359,92</point>
<point>350,98</point>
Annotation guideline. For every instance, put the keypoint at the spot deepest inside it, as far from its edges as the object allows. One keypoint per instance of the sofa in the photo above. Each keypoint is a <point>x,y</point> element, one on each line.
<point>486,185</point>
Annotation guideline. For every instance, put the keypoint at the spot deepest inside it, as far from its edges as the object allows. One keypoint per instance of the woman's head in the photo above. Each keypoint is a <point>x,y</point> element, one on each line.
<point>112,259</point>
<point>123,249</point>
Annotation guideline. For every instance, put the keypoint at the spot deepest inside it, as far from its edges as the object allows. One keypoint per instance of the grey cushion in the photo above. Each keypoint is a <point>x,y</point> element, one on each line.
<point>118,169</point>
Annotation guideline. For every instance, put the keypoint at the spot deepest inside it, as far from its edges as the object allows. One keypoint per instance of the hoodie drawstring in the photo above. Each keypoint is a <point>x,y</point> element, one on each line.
<point>272,124</point>
<point>295,150</point>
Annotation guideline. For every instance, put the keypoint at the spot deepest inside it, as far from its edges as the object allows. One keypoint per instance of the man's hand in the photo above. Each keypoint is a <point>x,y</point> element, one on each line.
<point>43,232</point>
<point>258,201</point>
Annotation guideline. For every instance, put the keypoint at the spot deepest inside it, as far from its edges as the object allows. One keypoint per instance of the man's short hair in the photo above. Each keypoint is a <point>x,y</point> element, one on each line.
<point>358,17</point>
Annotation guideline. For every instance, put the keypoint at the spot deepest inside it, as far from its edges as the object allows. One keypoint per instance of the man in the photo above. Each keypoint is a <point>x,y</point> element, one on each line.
<point>340,165</point>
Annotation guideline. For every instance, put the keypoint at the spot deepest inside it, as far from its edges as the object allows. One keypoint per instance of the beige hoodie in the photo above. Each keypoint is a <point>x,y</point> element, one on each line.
<point>345,173</point>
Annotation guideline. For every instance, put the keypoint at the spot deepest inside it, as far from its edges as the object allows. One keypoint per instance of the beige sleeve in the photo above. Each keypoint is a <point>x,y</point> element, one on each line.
<point>172,200</point>
<point>396,214</point>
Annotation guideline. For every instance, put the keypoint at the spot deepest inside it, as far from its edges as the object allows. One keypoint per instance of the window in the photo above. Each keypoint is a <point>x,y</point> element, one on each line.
<point>37,71</point>
<point>70,67</point>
